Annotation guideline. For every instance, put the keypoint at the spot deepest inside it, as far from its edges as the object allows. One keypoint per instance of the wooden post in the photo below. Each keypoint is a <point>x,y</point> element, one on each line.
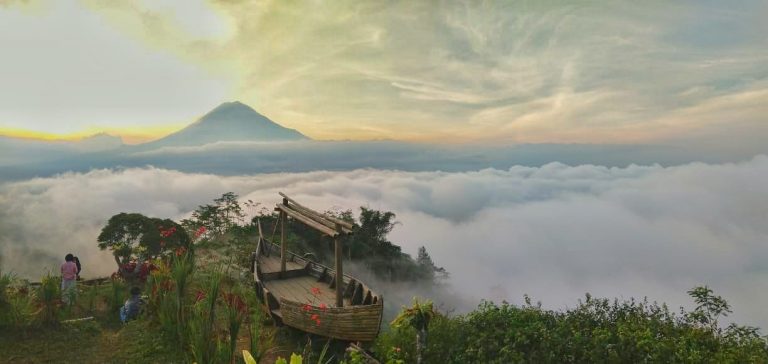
<point>283,254</point>
<point>339,270</point>
<point>339,274</point>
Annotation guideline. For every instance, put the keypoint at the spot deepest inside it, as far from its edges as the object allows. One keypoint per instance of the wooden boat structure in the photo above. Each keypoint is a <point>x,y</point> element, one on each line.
<point>307,295</point>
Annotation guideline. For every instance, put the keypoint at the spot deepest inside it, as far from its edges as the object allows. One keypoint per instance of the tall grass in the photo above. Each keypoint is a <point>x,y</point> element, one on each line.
<point>117,296</point>
<point>22,310</point>
<point>6,279</point>
<point>236,312</point>
<point>89,299</point>
<point>181,272</point>
<point>204,343</point>
<point>254,333</point>
<point>48,297</point>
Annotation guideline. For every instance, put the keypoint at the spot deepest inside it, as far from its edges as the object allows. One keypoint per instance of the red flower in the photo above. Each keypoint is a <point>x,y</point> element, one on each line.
<point>315,291</point>
<point>323,307</point>
<point>307,307</point>
<point>236,302</point>
<point>315,317</point>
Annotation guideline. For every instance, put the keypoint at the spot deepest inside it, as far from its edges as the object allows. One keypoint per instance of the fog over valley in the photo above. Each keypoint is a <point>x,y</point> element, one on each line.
<point>553,232</point>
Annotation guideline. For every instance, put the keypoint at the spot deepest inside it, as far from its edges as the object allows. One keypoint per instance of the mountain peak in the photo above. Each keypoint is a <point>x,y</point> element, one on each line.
<point>230,110</point>
<point>230,121</point>
<point>99,141</point>
<point>233,105</point>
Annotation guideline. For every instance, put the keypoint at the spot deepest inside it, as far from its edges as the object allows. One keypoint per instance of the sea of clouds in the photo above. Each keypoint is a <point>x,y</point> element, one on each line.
<point>553,232</point>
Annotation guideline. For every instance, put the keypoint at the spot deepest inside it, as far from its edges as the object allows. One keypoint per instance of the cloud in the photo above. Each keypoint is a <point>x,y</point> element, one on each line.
<point>23,159</point>
<point>461,71</point>
<point>554,232</point>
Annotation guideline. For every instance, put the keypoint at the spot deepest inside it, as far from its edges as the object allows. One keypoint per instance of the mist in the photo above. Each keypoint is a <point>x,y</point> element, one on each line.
<point>22,159</point>
<point>554,232</point>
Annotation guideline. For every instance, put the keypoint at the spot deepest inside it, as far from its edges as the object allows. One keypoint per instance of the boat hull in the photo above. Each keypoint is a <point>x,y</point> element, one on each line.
<point>303,297</point>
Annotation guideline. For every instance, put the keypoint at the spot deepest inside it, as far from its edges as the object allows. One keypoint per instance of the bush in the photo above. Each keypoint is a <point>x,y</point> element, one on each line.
<point>597,330</point>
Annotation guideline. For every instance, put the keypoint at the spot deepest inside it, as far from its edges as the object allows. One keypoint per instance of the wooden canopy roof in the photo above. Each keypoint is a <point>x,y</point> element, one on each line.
<point>323,223</point>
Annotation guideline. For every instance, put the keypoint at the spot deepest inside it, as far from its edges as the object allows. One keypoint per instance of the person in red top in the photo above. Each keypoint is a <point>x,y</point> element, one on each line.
<point>68,279</point>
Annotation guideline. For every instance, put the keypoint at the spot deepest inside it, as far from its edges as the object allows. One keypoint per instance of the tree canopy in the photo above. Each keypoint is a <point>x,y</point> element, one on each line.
<point>138,237</point>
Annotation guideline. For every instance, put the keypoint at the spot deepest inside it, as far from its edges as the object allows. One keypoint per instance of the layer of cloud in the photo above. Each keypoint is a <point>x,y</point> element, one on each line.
<point>23,159</point>
<point>554,231</point>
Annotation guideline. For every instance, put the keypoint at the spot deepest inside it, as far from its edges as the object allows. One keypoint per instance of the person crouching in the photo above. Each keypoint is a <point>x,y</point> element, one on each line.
<point>132,306</point>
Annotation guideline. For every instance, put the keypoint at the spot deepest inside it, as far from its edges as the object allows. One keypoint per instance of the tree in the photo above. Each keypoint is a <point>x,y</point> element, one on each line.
<point>219,217</point>
<point>418,316</point>
<point>427,268</point>
<point>209,217</point>
<point>709,307</point>
<point>369,240</point>
<point>229,209</point>
<point>133,236</point>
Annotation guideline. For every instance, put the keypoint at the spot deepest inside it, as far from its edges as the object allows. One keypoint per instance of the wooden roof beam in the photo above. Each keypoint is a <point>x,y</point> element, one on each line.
<point>307,221</point>
<point>333,220</point>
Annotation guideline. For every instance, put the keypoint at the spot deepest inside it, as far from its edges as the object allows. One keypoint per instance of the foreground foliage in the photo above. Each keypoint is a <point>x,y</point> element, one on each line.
<point>597,330</point>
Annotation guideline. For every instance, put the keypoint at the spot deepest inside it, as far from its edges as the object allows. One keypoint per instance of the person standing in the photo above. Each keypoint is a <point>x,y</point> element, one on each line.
<point>68,279</point>
<point>79,267</point>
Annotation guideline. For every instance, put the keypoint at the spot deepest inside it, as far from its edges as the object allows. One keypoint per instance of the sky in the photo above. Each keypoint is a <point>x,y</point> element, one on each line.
<point>554,232</point>
<point>606,72</point>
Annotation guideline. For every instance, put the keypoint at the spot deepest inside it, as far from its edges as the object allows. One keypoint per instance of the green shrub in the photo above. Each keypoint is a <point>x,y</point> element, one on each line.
<point>597,330</point>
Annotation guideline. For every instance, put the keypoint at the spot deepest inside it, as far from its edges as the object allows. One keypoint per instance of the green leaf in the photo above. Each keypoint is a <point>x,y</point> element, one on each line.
<point>249,358</point>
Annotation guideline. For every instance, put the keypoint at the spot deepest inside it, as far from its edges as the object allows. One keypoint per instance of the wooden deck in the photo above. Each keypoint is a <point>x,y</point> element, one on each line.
<point>299,289</point>
<point>271,264</point>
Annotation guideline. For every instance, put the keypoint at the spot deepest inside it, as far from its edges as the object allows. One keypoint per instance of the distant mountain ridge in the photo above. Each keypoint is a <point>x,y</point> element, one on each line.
<point>230,121</point>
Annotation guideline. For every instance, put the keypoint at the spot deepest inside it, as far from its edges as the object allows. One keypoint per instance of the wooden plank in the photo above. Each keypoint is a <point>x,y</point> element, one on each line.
<point>350,288</point>
<point>282,241</point>
<point>272,264</point>
<point>307,221</point>
<point>309,211</point>
<point>368,298</point>
<point>357,295</point>
<point>322,219</point>
<point>354,323</point>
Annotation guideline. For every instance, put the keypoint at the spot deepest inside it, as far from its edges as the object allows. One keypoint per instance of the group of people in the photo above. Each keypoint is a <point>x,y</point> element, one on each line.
<point>70,274</point>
